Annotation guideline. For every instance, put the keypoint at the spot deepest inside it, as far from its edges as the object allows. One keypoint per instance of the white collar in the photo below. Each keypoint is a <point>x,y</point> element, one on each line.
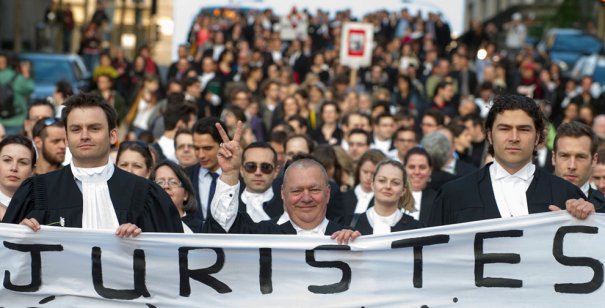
<point>4,199</point>
<point>360,193</point>
<point>524,173</point>
<point>318,230</point>
<point>585,188</point>
<point>265,196</point>
<point>382,224</point>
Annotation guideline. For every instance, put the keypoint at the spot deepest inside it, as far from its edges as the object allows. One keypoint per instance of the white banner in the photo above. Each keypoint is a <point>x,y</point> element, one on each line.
<point>356,44</point>
<point>544,260</point>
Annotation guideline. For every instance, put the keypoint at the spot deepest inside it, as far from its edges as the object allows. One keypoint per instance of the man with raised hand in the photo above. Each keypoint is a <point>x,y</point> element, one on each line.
<point>305,193</point>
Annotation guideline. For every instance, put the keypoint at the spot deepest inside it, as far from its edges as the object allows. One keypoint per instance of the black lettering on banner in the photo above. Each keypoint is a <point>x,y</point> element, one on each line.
<point>202,275</point>
<point>266,270</point>
<point>337,287</point>
<point>36,265</point>
<point>481,259</point>
<point>597,267</point>
<point>138,267</point>
<point>418,243</point>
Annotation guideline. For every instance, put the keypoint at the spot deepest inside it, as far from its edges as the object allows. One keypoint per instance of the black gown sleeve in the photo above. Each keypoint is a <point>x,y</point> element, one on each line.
<point>160,214</point>
<point>21,204</point>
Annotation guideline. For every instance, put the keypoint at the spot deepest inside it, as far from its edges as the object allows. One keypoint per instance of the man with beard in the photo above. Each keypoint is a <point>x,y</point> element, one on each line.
<point>50,138</point>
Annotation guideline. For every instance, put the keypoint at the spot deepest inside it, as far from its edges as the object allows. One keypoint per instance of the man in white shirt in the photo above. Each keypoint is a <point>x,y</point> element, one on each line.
<point>178,114</point>
<point>305,194</point>
<point>574,156</point>
<point>259,170</point>
<point>511,185</point>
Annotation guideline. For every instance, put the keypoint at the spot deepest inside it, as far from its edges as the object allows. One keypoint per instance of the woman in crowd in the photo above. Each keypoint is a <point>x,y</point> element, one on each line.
<point>392,196</point>
<point>328,132</point>
<point>418,166</point>
<point>462,139</point>
<point>135,157</point>
<point>143,105</point>
<point>17,161</point>
<point>175,182</point>
<point>360,198</point>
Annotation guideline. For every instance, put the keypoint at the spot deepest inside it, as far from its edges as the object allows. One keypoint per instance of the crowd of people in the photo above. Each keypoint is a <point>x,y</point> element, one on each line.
<point>252,133</point>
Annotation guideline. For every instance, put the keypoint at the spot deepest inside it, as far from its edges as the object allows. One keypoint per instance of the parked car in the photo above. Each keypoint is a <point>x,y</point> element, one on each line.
<point>48,69</point>
<point>593,66</point>
<point>565,46</point>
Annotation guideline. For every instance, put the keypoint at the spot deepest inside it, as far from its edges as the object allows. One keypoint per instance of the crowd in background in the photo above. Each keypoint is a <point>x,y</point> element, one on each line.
<point>424,96</point>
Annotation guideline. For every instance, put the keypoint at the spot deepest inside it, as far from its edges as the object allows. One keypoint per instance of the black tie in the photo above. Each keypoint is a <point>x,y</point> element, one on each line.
<point>214,176</point>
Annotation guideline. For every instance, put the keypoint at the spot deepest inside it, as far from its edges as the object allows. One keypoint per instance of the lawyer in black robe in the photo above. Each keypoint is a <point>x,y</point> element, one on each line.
<point>54,197</point>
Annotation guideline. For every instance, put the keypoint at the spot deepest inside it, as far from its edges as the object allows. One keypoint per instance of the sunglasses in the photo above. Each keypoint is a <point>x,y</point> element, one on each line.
<point>265,168</point>
<point>46,122</point>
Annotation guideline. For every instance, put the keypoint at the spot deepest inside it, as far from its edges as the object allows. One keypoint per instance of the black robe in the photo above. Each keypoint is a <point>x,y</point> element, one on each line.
<point>243,224</point>
<point>471,197</point>
<point>54,196</point>
<point>406,222</point>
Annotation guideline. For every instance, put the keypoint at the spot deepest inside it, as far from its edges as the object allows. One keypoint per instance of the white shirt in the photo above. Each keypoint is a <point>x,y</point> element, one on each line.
<point>144,111</point>
<point>450,167</point>
<point>509,189</point>
<point>204,181</point>
<point>382,224</point>
<point>363,199</point>
<point>417,195</point>
<point>384,146</point>
<point>254,204</point>
<point>283,218</point>
<point>4,199</point>
<point>318,230</point>
<point>225,204</point>
<point>167,146</point>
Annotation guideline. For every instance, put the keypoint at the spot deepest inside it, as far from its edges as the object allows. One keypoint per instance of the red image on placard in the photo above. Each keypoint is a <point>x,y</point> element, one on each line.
<point>356,42</point>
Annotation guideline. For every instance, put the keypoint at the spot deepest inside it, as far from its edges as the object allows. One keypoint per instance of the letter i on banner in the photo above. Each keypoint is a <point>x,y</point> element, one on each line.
<point>356,44</point>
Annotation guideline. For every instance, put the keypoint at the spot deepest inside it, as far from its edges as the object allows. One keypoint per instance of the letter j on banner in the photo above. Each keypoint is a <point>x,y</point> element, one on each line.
<point>356,44</point>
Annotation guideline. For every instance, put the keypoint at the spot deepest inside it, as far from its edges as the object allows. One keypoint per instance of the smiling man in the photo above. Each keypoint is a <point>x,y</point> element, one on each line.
<point>91,193</point>
<point>510,186</point>
<point>574,157</point>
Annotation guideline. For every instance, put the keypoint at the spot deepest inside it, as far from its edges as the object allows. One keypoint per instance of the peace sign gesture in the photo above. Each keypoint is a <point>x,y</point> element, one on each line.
<point>230,154</point>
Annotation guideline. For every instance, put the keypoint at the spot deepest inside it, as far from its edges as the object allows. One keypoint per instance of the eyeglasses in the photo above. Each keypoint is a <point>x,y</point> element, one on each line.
<point>42,124</point>
<point>265,168</point>
<point>172,183</point>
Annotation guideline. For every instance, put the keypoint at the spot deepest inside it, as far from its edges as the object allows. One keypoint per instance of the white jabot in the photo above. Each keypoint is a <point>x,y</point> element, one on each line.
<point>254,204</point>
<point>363,199</point>
<point>318,230</point>
<point>167,146</point>
<point>417,195</point>
<point>585,188</point>
<point>225,204</point>
<point>186,229</point>
<point>97,211</point>
<point>509,189</point>
<point>382,224</point>
<point>384,146</point>
<point>4,199</point>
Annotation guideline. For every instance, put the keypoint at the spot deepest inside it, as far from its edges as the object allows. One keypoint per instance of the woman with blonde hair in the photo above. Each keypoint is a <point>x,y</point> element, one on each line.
<point>392,196</point>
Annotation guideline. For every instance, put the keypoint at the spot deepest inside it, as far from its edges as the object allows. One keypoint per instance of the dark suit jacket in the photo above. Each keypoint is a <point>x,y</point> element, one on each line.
<point>193,173</point>
<point>463,168</point>
<point>471,197</point>
<point>274,207</point>
<point>438,178</point>
<point>426,204</point>
<point>597,199</point>
<point>243,224</point>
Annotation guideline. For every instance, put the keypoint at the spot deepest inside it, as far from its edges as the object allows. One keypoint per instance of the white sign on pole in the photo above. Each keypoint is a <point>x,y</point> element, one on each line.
<point>542,260</point>
<point>356,44</point>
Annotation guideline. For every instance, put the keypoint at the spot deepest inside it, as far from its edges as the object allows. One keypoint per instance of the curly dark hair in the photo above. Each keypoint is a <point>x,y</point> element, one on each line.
<point>506,102</point>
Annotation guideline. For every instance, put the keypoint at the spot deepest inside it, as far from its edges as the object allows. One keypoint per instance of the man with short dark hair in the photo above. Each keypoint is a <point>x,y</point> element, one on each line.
<point>431,121</point>
<point>512,185</point>
<point>574,156</point>
<point>404,139</point>
<point>37,110</point>
<point>384,127</point>
<point>598,171</point>
<point>178,114</point>
<point>359,143</point>
<point>204,175</point>
<point>91,193</point>
<point>258,171</point>
<point>297,144</point>
<point>50,140</point>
